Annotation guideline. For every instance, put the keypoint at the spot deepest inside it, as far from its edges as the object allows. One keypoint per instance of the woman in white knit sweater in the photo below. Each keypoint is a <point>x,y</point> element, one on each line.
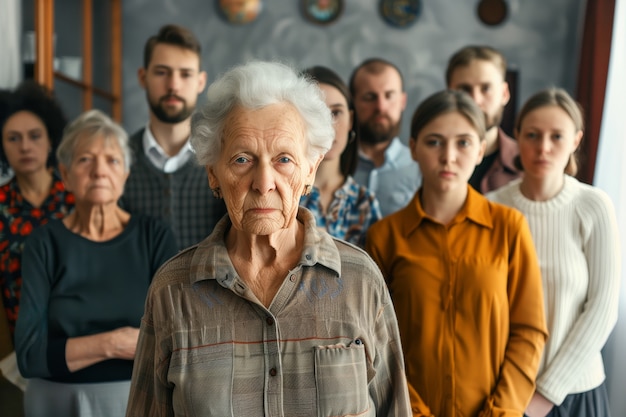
<point>575,233</point>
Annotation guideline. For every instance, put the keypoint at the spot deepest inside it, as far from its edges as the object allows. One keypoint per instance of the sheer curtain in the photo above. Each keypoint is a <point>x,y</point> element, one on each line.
<point>11,62</point>
<point>610,175</point>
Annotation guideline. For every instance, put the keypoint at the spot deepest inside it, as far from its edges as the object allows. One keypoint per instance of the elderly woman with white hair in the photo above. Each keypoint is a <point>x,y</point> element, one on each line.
<point>85,279</point>
<point>268,315</point>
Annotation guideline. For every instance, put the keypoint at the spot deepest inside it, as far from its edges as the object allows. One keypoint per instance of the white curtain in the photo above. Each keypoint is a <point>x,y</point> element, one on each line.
<point>610,175</point>
<point>10,41</point>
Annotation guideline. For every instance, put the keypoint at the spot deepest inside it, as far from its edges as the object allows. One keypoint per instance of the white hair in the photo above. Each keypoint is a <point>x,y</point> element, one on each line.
<point>90,124</point>
<point>256,85</point>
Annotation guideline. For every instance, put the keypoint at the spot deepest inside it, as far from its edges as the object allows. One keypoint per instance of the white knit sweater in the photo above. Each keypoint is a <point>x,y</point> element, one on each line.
<point>575,234</point>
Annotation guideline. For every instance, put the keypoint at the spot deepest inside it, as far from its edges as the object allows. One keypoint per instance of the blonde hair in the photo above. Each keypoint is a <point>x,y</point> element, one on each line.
<point>464,56</point>
<point>92,123</point>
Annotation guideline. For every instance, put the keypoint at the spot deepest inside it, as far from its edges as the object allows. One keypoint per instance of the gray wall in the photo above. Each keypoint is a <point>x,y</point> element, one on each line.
<point>540,38</point>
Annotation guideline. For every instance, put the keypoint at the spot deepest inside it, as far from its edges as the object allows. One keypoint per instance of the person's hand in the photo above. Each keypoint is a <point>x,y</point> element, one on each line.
<point>539,406</point>
<point>123,342</point>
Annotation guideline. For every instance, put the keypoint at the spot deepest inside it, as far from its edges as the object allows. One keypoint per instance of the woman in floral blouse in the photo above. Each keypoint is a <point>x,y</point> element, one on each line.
<point>340,205</point>
<point>31,123</point>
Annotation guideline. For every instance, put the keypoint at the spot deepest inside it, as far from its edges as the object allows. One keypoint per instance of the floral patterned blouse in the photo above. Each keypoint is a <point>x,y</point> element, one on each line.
<point>351,212</point>
<point>18,218</point>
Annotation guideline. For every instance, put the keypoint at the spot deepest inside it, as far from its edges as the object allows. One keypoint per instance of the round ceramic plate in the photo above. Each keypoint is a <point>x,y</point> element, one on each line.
<point>400,13</point>
<point>492,12</point>
<point>321,12</point>
<point>239,12</point>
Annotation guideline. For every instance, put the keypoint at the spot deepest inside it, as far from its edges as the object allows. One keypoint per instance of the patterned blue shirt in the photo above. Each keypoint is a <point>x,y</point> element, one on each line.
<point>351,212</point>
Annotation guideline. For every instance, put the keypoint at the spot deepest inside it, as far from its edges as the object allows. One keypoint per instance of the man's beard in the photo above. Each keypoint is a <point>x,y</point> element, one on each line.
<point>172,118</point>
<point>373,133</point>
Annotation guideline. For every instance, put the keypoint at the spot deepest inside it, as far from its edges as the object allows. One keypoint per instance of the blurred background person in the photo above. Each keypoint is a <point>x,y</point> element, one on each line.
<point>31,123</point>
<point>85,281</point>
<point>269,314</point>
<point>480,71</point>
<point>165,182</point>
<point>576,236</point>
<point>463,276</point>
<point>343,207</point>
<point>385,166</point>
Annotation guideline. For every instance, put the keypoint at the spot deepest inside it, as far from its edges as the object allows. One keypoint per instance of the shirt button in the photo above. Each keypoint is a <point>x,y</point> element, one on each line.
<point>273,372</point>
<point>269,321</point>
<point>292,278</point>
<point>308,257</point>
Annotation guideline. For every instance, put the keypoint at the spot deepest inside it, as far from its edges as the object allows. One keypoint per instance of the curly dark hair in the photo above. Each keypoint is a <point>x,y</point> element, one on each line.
<point>37,99</point>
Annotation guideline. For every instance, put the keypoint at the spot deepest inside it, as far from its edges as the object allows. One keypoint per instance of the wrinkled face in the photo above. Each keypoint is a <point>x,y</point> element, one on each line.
<point>447,150</point>
<point>483,81</point>
<point>97,174</point>
<point>262,169</point>
<point>546,139</point>
<point>379,102</point>
<point>342,120</point>
<point>172,82</point>
<point>25,142</point>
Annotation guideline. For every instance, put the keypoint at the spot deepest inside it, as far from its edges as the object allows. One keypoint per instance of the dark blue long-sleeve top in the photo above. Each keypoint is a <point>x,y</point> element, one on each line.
<point>73,286</point>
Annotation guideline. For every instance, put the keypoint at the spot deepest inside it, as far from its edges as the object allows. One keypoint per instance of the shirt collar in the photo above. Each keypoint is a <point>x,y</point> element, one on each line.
<point>475,209</point>
<point>150,144</point>
<point>393,153</point>
<point>211,260</point>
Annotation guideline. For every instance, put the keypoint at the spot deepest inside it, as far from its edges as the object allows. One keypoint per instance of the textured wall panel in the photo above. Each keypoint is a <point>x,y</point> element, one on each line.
<point>540,38</point>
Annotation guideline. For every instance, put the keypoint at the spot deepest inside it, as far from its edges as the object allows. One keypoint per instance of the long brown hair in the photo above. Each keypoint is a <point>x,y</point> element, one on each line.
<point>448,101</point>
<point>349,156</point>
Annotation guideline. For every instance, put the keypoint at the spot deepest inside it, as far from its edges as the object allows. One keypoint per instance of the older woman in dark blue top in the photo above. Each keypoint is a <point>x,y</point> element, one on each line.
<point>85,281</point>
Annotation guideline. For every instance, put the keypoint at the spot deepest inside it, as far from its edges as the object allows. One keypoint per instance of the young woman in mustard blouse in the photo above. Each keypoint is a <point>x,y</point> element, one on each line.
<point>463,275</point>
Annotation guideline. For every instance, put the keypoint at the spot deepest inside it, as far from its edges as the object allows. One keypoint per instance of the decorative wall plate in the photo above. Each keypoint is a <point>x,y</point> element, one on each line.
<point>492,12</point>
<point>321,12</point>
<point>239,12</point>
<point>400,13</point>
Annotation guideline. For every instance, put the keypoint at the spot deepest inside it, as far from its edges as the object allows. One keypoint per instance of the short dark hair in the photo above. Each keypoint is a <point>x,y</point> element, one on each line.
<point>34,98</point>
<point>464,56</point>
<point>448,101</point>
<point>323,75</point>
<point>374,66</point>
<point>171,35</point>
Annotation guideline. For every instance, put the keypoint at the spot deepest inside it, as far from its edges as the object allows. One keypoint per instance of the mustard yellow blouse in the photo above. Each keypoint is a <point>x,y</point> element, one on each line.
<point>469,303</point>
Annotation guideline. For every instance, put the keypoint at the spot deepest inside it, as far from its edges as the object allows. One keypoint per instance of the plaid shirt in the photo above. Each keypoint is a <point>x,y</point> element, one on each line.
<point>182,199</point>
<point>351,212</point>
<point>328,345</point>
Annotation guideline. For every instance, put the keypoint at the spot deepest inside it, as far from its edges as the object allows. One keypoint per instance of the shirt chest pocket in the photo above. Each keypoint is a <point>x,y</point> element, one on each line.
<point>202,378</point>
<point>341,378</point>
